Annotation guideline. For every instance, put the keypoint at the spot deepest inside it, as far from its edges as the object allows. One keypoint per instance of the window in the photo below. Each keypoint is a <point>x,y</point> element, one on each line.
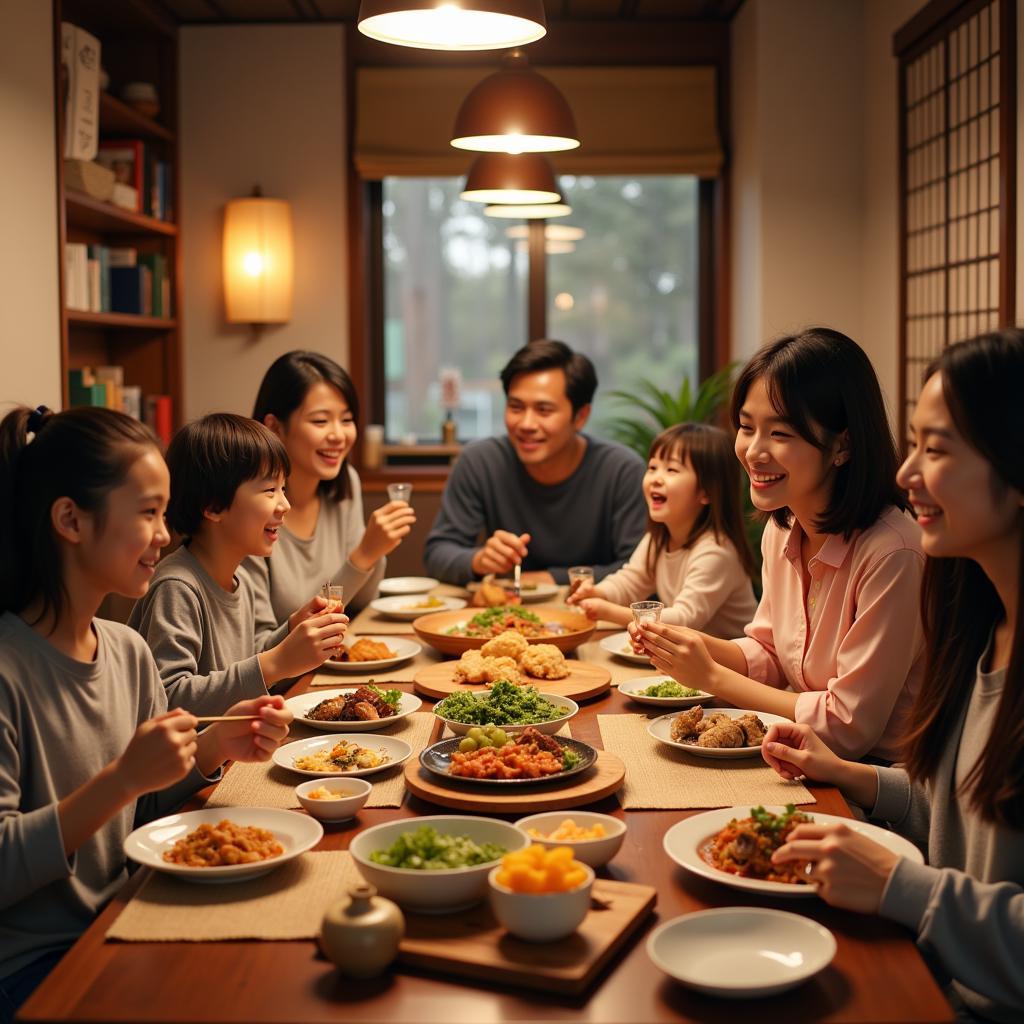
<point>624,290</point>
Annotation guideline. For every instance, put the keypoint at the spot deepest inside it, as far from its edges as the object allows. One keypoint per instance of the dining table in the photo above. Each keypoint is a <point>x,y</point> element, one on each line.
<point>877,974</point>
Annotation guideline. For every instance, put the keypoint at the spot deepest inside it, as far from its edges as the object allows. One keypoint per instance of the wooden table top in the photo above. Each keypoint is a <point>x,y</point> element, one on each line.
<point>877,975</point>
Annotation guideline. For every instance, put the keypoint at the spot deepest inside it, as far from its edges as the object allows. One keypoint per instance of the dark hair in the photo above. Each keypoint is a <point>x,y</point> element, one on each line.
<point>284,388</point>
<point>544,354</point>
<point>711,455</point>
<point>210,458</point>
<point>822,383</point>
<point>959,603</point>
<point>82,454</point>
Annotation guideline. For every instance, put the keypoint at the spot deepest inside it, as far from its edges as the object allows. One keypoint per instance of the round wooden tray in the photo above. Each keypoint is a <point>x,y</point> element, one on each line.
<point>606,777</point>
<point>433,629</point>
<point>585,680</point>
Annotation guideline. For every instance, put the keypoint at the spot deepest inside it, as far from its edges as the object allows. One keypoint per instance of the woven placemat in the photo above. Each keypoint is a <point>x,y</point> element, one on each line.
<point>622,671</point>
<point>269,785</point>
<point>658,776</point>
<point>288,903</point>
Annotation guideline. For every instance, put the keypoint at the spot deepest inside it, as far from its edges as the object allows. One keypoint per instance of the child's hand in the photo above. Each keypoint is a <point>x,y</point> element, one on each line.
<point>385,529</point>
<point>250,741</point>
<point>312,607</point>
<point>162,752</point>
<point>679,652</point>
<point>598,608</point>
<point>305,648</point>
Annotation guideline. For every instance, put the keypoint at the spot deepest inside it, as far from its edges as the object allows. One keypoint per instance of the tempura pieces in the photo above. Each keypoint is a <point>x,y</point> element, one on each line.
<point>365,649</point>
<point>214,846</point>
<point>717,729</point>
<point>745,846</point>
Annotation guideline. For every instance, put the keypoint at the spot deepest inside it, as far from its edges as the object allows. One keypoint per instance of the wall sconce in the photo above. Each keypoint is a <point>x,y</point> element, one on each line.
<point>453,24</point>
<point>258,261</point>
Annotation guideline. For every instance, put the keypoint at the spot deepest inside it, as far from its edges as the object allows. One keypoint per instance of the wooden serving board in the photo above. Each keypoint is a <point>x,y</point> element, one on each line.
<point>473,945</point>
<point>585,680</point>
<point>605,778</point>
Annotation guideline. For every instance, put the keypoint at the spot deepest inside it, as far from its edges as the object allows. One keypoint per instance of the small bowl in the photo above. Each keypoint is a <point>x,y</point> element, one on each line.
<point>433,892</point>
<point>544,916</point>
<point>355,792</point>
<point>548,728</point>
<point>593,852</point>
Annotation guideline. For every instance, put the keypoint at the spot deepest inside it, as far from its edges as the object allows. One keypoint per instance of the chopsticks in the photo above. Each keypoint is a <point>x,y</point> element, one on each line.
<point>227,718</point>
<point>517,581</point>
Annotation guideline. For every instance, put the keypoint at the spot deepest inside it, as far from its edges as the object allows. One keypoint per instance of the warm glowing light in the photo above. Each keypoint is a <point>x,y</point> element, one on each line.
<point>452,26</point>
<point>258,260</point>
<point>551,248</point>
<point>528,212</point>
<point>552,232</point>
<point>564,302</point>
<point>511,196</point>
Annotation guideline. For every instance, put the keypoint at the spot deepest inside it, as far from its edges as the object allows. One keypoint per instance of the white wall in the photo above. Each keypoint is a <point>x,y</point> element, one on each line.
<point>29,317</point>
<point>261,104</point>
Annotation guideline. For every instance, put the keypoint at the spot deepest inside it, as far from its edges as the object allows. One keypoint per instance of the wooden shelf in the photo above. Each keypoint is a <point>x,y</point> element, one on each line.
<point>131,320</point>
<point>83,211</point>
<point>117,118</point>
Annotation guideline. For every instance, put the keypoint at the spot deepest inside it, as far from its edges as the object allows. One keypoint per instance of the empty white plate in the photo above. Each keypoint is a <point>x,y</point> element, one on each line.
<point>634,687</point>
<point>619,645</point>
<point>295,832</point>
<point>408,585</point>
<point>684,841</point>
<point>301,706</point>
<point>661,730</point>
<point>397,752</point>
<point>404,650</point>
<point>741,952</point>
<point>406,607</point>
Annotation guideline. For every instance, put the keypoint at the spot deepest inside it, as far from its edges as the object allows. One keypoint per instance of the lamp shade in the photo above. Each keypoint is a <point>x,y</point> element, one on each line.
<point>526,212</point>
<point>258,275</point>
<point>515,110</point>
<point>503,178</point>
<point>552,232</point>
<point>453,24</point>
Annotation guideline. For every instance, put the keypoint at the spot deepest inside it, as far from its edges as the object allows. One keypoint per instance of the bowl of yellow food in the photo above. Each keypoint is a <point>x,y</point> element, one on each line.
<point>593,838</point>
<point>333,799</point>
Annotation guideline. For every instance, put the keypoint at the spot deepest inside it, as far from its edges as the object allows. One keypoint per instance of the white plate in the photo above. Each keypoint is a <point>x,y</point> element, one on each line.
<point>633,687</point>
<point>404,650</point>
<point>741,952</point>
<point>408,585</point>
<point>399,607</point>
<point>297,833</point>
<point>398,750</point>
<point>305,702</point>
<point>683,841</point>
<point>619,645</point>
<point>661,729</point>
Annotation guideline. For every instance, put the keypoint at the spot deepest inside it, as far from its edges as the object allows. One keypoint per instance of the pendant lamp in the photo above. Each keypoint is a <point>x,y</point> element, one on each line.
<point>515,110</point>
<point>520,179</point>
<point>453,24</point>
<point>526,212</point>
<point>552,232</point>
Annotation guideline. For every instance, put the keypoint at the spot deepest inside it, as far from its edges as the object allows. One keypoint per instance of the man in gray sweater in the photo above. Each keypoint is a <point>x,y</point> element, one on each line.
<point>546,496</point>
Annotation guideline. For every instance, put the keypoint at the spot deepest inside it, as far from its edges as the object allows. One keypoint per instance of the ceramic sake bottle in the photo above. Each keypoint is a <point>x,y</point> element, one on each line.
<point>360,932</point>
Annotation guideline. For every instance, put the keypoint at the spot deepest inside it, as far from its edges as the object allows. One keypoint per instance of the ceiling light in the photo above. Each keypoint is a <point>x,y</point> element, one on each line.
<point>515,110</point>
<point>453,24</point>
<point>552,232</point>
<point>551,248</point>
<point>526,212</point>
<point>501,178</point>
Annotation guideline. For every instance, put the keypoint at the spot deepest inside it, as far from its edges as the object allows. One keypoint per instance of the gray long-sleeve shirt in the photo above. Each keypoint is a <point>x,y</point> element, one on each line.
<point>61,722</point>
<point>596,517</point>
<point>966,905</point>
<point>203,638</point>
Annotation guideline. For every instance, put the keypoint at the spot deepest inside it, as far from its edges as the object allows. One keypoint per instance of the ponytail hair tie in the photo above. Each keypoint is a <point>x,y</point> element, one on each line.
<point>36,418</point>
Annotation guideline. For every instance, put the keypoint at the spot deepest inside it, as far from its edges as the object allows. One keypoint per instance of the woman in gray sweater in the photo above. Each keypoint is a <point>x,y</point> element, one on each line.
<point>310,402</point>
<point>960,793</point>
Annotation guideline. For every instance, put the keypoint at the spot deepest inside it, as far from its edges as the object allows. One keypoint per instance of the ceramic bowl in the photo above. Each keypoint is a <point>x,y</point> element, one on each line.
<point>353,795</point>
<point>548,728</point>
<point>540,917</point>
<point>594,852</point>
<point>433,892</point>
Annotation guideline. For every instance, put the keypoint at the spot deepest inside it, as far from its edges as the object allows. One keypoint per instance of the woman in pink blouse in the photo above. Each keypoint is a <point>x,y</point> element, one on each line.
<point>836,641</point>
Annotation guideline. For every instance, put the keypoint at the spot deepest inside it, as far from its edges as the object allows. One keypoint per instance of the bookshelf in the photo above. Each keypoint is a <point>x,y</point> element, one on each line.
<point>138,44</point>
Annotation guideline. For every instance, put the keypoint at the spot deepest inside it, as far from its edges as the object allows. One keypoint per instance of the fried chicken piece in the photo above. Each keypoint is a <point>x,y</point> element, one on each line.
<point>364,711</point>
<point>365,649</point>
<point>491,594</point>
<point>502,668</point>
<point>470,668</point>
<point>724,734</point>
<point>509,644</point>
<point>543,742</point>
<point>684,725</point>
<point>753,729</point>
<point>715,718</point>
<point>329,710</point>
<point>543,661</point>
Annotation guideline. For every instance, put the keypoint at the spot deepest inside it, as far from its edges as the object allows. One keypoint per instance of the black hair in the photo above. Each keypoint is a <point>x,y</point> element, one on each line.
<point>210,458</point>
<point>710,451</point>
<point>959,603</point>
<point>82,454</point>
<point>545,354</point>
<point>822,383</point>
<point>284,388</point>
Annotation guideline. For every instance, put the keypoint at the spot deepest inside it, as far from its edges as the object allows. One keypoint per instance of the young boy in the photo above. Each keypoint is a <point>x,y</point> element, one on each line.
<point>198,616</point>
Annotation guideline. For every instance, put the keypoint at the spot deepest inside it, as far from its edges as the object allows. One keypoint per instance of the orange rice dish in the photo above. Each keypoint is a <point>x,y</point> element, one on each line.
<point>223,844</point>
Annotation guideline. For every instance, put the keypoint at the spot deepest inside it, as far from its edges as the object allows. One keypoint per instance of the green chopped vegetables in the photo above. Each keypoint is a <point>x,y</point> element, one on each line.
<point>569,759</point>
<point>426,849</point>
<point>504,704</point>
<point>768,822</point>
<point>392,697</point>
<point>489,616</point>
<point>669,688</point>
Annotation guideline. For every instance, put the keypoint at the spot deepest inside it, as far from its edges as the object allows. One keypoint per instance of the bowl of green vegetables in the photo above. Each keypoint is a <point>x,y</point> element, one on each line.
<point>435,864</point>
<point>661,691</point>
<point>509,707</point>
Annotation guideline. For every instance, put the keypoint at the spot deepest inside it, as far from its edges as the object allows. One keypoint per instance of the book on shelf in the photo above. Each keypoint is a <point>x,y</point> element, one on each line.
<point>116,279</point>
<point>76,276</point>
<point>104,387</point>
<point>131,290</point>
<point>126,158</point>
<point>80,88</point>
<point>135,167</point>
<point>158,415</point>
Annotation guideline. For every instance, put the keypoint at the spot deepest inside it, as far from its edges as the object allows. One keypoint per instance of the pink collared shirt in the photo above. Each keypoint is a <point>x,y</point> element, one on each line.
<point>853,651</point>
